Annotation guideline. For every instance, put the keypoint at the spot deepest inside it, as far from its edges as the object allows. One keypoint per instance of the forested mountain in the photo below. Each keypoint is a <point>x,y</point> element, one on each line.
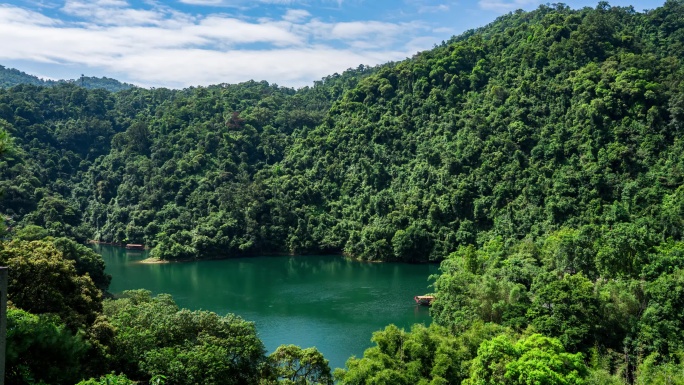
<point>539,158</point>
<point>161,161</point>
<point>540,120</point>
<point>10,77</point>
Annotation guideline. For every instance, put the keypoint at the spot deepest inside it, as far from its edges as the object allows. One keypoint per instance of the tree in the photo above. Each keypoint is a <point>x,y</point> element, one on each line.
<point>489,284</point>
<point>297,366</point>
<point>423,355</point>
<point>569,251</point>
<point>41,349</point>
<point>567,309</point>
<point>86,261</point>
<point>109,379</point>
<point>6,141</point>
<point>412,244</point>
<point>661,329</point>
<point>5,148</point>
<point>653,371</point>
<point>531,360</point>
<point>623,250</point>
<point>155,337</point>
<point>43,281</point>
<point>31,233</point>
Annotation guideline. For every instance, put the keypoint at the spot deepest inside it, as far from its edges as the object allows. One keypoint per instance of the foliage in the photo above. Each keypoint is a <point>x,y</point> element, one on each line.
<point>11,77</point>
<point>297,366</point>
<point>662,324</point>
<point>532,360</point>
<point>5,142</point>
<point>568,309</point>
<point>30,233</point>
<point>109,379</point>
<point>86,261</point>
<point>155,337</point>
<point>520,285</point>
<point>487,284</point>
<point>555,121</point>
<point>43,281</point>
<point>669,373</point>
<point>40,349</point>
<point>425,355</point>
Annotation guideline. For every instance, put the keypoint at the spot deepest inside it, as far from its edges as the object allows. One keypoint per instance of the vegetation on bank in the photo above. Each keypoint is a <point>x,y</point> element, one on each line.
<point>539,158</point>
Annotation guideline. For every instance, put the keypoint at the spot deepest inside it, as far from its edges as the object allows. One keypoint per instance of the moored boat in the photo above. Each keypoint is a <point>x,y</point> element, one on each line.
<point>424,300</point>
<point>135,246</point>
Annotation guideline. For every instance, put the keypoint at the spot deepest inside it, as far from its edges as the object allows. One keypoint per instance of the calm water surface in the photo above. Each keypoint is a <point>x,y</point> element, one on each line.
<point>328,302</point>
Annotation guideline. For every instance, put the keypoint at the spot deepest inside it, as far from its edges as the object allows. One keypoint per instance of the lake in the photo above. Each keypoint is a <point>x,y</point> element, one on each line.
<point>329,302</point>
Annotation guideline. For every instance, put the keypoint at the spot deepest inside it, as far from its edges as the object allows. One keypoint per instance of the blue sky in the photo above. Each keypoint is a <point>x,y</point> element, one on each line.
<point>179,43</point>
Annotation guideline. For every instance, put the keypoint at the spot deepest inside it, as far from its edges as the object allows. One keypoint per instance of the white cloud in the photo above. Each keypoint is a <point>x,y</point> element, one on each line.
<point>243,3</point>
<point>363,29</point>
<point>233,3</point>
<point>234,31</point>
<point>202,2</point>
<point>158,46</point>
<point>505,5</point>
<point>119,13</point>
<point>296,15</point>
<point>444,30</point>
<point>420,44</point>
<point>362,34</point>
<point>292,67</point>
<point>15,15</point>
<point>433,8</point>
<point>285,2</point>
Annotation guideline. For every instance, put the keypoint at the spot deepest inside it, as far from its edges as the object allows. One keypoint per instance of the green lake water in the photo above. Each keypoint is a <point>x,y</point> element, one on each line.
<point>329,302</point>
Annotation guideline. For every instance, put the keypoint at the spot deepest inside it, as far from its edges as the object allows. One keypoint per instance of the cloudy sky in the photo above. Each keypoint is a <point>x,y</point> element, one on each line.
<point>179,43</point>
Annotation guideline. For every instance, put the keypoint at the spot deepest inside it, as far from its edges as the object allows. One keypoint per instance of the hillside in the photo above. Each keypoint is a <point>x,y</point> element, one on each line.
<point>10,77</point>
<point>538,121</point>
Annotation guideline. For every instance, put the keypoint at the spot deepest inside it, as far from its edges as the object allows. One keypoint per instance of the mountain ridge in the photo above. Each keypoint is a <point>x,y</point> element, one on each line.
<point>10,77</point>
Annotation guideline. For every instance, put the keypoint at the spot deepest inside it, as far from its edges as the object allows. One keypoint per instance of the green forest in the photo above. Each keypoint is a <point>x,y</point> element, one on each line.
<point>10,77</point>
<point>538,159</point>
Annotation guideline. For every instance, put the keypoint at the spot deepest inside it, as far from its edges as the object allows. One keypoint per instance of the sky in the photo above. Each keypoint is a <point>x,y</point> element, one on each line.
<point>181,43</point>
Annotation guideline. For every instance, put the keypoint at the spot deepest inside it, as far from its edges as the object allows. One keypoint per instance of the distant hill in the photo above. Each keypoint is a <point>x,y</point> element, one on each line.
<point>10,77</point>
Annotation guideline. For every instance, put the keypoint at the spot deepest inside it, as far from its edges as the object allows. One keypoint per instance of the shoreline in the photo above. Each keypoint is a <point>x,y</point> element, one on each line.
<point>155,261</point>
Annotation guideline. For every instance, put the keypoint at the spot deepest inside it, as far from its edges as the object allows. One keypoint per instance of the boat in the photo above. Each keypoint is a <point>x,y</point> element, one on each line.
<point>424,300</point>
<point>135,246</point>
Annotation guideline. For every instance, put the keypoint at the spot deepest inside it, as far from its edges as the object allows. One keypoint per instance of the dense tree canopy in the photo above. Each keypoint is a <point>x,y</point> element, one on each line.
<point>44,281</point>
<point>155,337</point>
<point>540,121</point>
<point>40,349</point>
<point>296,366</point>
<point>11,77</point>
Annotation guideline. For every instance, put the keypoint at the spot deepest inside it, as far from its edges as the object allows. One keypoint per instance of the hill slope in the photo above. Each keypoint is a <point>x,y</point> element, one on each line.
<point>10,77</point>
<point>546,119</point>
<point>540,120</point>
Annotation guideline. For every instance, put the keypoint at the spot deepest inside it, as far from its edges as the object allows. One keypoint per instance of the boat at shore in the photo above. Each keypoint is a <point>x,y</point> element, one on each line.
<point>135,246</point>
<point>424,300</point>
